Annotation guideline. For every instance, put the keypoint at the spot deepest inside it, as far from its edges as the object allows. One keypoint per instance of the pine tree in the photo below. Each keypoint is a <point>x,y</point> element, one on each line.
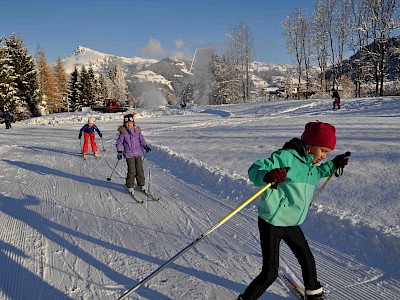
<point>75,91</point>
<point>94,88</point>
<point>8,85</point>
<point>119,88</point>
<point>25,99</point>
<point>102,84</point>
<point>85,87</point>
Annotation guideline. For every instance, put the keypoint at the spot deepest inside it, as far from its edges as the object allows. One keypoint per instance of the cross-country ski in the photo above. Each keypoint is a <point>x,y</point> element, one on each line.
<point>133,194</point>
<point>149,195</point>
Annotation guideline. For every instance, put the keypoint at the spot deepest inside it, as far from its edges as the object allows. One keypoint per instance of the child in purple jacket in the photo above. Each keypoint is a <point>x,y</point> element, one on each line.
<point>129,144</point>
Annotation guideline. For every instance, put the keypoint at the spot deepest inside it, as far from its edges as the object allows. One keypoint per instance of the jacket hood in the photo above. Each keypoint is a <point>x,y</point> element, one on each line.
<point>297,145</point>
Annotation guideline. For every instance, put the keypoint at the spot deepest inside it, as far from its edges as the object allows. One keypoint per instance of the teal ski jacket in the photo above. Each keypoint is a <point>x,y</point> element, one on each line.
<point>288,204</point>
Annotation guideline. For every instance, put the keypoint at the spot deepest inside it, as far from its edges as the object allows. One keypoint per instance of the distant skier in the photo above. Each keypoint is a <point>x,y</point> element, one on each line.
<point>183,102</point>
<point>8,118</point>
<point>293,172</point>
<point>336,99</point>
<point>88,134</point>
<point>129,145</point>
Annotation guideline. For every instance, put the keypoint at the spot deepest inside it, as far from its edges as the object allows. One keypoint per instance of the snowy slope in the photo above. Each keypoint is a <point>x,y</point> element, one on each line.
<point>68,233</point>
<point>83,56</point>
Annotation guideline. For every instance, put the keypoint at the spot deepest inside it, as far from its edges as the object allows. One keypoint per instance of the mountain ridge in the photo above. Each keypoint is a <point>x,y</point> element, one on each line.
<point>171,75</point>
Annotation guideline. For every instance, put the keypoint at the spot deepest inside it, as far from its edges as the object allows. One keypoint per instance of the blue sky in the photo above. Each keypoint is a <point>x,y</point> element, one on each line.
<point>152,28</point>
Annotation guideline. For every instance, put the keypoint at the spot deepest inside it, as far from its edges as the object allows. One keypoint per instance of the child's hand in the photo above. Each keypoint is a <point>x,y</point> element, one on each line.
<point>276,176</point>
<point>340,162</point>
<point>119,156</point>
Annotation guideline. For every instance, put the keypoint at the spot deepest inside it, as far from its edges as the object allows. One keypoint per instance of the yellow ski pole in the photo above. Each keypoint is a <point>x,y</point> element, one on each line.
<point>338,172</point>
<point>222,221</point>
<point>319,192</point>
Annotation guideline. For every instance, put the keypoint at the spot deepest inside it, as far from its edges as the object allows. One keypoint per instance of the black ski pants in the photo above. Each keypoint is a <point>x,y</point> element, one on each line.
<point>8,124</point>
<point>135,170</point>
<point>271,237</point>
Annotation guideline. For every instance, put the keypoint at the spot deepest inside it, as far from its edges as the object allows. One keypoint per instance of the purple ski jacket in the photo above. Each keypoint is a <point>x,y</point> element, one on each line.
<point>131,143</point>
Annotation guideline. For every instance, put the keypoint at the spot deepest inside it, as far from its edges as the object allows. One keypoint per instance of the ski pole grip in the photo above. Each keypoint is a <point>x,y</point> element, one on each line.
<point>287,170</point>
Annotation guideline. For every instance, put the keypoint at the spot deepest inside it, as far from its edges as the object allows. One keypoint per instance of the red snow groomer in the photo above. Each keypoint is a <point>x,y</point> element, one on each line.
<point>111,105</point>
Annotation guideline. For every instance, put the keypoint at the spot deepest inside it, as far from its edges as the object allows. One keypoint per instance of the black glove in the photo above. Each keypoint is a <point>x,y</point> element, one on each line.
<point>80,136</point>
<point>276,176</point>
<point>100,135</point>
<point>340,162</point>
<point>147,148</point>
<point>119,155</point>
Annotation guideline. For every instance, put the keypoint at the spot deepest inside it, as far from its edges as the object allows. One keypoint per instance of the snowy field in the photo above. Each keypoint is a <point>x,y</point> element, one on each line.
<point>68,233</point>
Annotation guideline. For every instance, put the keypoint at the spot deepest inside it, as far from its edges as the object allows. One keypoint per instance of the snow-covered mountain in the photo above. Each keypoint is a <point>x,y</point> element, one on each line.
<point>83,56</point>
<point>171,74</point>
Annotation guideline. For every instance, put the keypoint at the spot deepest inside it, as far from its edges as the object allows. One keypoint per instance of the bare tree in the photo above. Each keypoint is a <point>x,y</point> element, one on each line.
<point>384,20</point>
<point>342,31</point>
<point>61,84</point>
<point>307,51</point>
<point>333,46</point>
<point>47,90</point>
<point>358,39</point>
<point>240,51</point>
<point>339,23</point>
<point>320,38</point>
<point>225,86</point>
<point>295,30</point>
<point>330,28</point>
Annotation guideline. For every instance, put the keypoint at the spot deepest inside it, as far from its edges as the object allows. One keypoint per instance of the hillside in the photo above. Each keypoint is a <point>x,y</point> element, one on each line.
<point>68,233</point>
<point>171,75</point>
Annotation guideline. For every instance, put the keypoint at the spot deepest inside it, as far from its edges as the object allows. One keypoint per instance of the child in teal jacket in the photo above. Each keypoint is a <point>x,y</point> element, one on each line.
<point>293,172</point>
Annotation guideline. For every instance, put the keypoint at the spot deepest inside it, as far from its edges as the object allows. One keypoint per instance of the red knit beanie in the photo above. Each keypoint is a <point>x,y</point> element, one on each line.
<point>319,134</point>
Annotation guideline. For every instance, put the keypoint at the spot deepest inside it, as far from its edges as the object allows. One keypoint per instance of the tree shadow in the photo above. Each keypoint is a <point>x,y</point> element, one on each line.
<point>58,151</point>
<point>14,278</point>
<point>42,170</point>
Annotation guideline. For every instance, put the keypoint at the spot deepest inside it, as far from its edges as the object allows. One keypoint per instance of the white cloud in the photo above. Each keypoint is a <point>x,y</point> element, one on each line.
<point>152,48</point>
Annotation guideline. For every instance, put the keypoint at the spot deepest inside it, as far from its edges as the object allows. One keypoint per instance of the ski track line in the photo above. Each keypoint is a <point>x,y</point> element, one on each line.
<point>22,235</point>
<point>60,265</point>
